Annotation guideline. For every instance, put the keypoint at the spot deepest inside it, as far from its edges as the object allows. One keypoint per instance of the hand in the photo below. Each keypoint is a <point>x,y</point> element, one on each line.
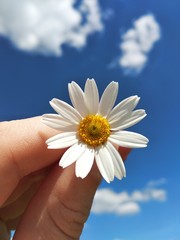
<point>43,200</point>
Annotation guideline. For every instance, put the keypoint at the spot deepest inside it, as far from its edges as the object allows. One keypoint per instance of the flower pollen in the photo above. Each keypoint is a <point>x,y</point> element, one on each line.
<point>94,130</point>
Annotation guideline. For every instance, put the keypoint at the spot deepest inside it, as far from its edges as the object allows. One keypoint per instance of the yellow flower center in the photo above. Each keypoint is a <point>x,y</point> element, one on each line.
<point>94,130</point>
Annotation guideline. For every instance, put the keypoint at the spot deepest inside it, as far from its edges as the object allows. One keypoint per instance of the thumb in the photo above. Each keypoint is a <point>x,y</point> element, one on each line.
<point>61,206</point>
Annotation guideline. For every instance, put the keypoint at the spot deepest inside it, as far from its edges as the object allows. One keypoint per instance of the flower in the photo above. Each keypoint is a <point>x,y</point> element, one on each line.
<point>91,128</point>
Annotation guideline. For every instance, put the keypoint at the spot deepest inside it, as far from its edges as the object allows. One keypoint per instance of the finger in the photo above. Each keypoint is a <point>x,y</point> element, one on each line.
<point>16,208</point>
<point>61,206</point>
<point>124,152</point>
<point>25,184</point>
<point>23,151</point>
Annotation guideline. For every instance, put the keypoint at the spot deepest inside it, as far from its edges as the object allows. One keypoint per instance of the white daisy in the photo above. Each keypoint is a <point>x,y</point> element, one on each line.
<point>91,127</point>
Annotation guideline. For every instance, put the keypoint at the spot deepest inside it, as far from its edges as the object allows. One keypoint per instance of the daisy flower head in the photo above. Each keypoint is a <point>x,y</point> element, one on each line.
<point>92,126</point>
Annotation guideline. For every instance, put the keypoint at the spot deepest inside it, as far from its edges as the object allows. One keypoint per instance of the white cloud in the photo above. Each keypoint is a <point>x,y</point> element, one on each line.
<point>110,202</point>
<point>149,194</point>
<point>123,203</point>
<point>44,26</point>
<point>137,43</point>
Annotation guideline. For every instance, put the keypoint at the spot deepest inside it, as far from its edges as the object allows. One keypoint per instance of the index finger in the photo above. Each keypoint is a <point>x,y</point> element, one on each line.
<point>23,151</point>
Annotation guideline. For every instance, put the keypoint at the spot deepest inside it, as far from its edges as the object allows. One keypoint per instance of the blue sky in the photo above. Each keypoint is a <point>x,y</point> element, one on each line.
<point>133,42</point>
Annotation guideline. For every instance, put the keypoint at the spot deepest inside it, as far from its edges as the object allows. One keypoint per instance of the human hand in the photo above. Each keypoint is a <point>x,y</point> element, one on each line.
<point>43,200</point>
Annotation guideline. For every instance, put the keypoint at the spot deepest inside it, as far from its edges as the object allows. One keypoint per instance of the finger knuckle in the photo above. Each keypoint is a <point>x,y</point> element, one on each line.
<point>68,218</point>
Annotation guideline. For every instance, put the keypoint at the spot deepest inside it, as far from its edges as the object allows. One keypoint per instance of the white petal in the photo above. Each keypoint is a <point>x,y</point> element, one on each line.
<point>57,122</point>
<point>128,139</point>
<point>62,140</point>
<point>101,167</point>
<point>91,96</point>
<point>72,154</point>
<point>77,98</point>
<point>128,120</point>
<point>104,163</point>
<point>119,118</point>
<point>108,99</point>
<point>84,163</point>
<point>127,105</point>
<point>65,110</point>
<point>119,167</point>
<point>56,119</point>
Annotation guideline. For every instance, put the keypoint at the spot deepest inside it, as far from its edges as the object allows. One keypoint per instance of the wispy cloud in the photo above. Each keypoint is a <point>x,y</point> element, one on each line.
<point>156,183</point>
<point>44,26</point>
<point>137,42</point>
<point>124,203</point>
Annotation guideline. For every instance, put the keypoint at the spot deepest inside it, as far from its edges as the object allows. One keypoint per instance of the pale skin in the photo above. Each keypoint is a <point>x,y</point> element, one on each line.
<point>38,198</point>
